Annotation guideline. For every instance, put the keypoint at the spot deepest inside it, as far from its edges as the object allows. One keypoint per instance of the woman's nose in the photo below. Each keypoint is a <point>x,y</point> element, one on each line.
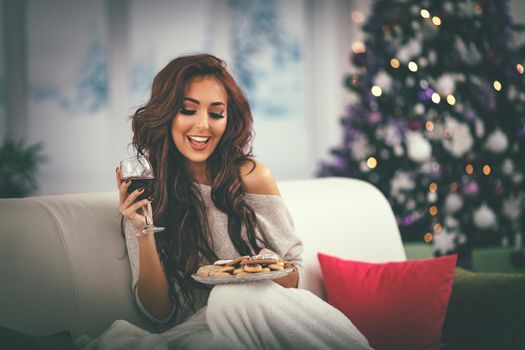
<point>202,120</point>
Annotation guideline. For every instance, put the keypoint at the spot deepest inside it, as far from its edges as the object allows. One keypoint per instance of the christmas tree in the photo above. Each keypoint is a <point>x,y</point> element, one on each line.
<point>439,126</point>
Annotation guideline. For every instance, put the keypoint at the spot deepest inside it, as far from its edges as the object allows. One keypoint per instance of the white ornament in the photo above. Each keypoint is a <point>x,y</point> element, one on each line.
<point>437,133</point>
<point>480,128</point>
<point>419,108</point>
<point>512,93</point>
<point>453,203</point>
<point>507,167</point>
<point>392,137</point>
<point>461,141</point>
<point>364,167</point>
<point>445,84</point>
<point>418,147</point>
<point>360,148</point>
<point>432,56</point>
<point>517,178</point>
<point>444,242</point>
<point>497,142</point>
<point>411,49</point>
<point>484,217</point>
<point>512,206</point>
<point>398,151</point>
<point>384,81</point>
<point>451,223</point>
<point>401,181</point>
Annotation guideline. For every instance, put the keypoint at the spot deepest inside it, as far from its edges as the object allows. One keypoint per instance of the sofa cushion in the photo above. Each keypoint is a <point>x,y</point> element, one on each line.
<point>396,305</point>
<point>486,311</point>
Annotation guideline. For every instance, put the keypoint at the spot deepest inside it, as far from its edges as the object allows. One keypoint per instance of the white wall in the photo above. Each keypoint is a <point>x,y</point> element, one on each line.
<point>83,123</point>
<point>90,63</point>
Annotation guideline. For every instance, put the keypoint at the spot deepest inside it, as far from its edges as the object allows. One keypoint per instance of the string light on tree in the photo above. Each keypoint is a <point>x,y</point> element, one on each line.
<point>358,47</point>
<point>436,98</point>
<point>429,125</point>
<point>412,66</point>
<point>433,187</point>
<point>436,20</point>
<point>394,62</point>
<point>371,162</point>
<point>519,68</point>
<point>424,13</point>
<point>376,91</point>
<point>497,85</point>
<point>428,237</point>
<point>469,169</point>
<point>451,100</point>
<point>437,228</point>
<point>357,17</point>
<point>486,169</point>
<point>433,210</point>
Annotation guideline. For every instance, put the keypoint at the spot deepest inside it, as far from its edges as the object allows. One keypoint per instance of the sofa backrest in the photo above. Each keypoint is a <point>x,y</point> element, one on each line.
<point>347,218</point>
<point>63,264</point>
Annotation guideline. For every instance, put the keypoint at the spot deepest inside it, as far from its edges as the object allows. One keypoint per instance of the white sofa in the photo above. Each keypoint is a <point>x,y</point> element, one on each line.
<point>63,264</point>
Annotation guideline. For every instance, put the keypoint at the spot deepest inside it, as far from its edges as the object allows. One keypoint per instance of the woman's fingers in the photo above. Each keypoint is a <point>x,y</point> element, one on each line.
<point>134,207</point>
<point>132,197</point>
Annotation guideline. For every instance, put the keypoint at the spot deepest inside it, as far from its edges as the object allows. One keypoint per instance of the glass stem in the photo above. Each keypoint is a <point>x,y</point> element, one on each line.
<point>146,212</point>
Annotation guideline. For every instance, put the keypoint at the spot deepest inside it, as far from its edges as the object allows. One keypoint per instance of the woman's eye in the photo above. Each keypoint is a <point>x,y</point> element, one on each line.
<point>216,115</point>
<point>187,111</point>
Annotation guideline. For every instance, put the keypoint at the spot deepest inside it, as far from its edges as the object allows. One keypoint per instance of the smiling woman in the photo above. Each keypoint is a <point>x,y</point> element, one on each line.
<point>216,202</point>
<point>200,123</point>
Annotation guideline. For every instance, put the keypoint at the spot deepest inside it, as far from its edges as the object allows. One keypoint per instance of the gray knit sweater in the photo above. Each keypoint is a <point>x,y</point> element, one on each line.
<point>274,225</point>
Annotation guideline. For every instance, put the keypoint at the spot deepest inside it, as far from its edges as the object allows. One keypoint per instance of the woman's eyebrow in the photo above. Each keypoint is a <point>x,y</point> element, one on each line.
<point>199,102</point>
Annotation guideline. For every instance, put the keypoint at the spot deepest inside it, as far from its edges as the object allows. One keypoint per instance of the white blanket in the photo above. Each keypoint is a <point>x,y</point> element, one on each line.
<point>257,315</point>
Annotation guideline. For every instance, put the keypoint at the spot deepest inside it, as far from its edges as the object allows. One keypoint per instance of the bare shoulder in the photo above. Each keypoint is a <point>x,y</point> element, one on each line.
<point>258,179</point>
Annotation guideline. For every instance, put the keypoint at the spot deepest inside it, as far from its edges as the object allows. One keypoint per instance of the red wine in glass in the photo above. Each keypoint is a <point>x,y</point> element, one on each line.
<point>140,172</point>
<point>138,182</point>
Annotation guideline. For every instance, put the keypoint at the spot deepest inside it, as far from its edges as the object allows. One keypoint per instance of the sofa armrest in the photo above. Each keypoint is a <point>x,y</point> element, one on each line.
<point>486,311</point>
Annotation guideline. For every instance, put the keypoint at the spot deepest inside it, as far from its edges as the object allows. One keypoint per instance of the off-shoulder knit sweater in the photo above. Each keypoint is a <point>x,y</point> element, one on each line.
<point>274,225</point>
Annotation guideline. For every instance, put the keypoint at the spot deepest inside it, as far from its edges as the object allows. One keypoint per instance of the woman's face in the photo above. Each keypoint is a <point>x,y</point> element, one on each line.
<point>199,124</point>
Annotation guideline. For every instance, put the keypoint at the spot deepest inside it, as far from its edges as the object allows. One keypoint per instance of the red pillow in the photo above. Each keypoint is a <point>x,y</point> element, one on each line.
<point>396,305</point>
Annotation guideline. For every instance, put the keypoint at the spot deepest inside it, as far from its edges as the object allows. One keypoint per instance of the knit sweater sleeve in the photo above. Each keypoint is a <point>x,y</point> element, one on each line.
<point>132,244</point>
<point>276,226</point>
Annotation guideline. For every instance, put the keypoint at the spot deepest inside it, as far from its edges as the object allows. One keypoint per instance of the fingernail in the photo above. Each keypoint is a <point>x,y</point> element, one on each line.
<point>128,181</point>
<point>141,189</point>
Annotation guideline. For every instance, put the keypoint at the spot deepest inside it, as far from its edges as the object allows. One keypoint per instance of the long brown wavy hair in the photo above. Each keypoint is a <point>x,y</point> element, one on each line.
<point>178,205</point>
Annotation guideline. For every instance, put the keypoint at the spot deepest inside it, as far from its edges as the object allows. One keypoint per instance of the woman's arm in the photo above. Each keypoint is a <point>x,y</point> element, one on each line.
<point>153,287</point>
<point>259,180</point>
<point>150,286</point>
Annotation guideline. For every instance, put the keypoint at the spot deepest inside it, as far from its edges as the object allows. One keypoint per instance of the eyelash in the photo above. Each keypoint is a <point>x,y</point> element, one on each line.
<point>191,112</point>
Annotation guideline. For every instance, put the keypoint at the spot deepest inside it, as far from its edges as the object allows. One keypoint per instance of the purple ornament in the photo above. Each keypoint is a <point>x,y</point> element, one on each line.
<point>414,124</point>
<point>374,117</point>
<point>499,190</point>
<point>521,132</point>
<point>470,114</point>
<point>407,220</point>
<point>470,188</point>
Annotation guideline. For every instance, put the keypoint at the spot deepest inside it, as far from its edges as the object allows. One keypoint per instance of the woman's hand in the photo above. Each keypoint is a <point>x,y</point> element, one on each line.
<point>268,251</point>
<point>128,207</point>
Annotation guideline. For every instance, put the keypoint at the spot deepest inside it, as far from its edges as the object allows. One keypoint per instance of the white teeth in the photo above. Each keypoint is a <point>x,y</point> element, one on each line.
<point>199,139</point>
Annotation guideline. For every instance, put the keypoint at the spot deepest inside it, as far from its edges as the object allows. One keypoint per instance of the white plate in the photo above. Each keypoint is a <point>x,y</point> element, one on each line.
<point>259,276</point>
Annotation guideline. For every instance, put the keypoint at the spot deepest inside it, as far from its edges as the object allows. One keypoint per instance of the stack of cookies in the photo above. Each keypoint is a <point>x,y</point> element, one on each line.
<point>243,265</point>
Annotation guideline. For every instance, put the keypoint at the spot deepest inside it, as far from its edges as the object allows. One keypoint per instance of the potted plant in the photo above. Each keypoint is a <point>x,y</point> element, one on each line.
<point>19,168</point>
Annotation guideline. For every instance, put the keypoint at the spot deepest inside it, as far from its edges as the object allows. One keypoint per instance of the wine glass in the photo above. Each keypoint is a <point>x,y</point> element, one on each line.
<point>140,172</point>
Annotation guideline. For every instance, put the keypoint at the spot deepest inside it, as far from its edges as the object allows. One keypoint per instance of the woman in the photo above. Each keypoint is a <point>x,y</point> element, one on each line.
<point>216,202</point>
